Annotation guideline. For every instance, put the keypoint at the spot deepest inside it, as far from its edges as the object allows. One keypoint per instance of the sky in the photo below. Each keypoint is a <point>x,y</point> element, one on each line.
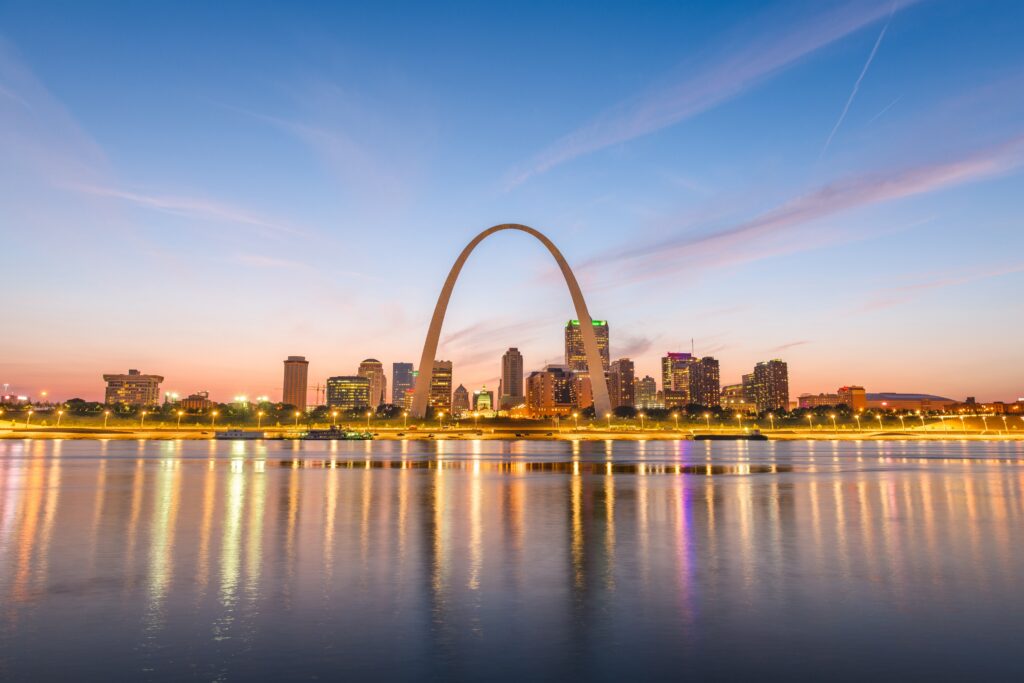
<point>199,190</point>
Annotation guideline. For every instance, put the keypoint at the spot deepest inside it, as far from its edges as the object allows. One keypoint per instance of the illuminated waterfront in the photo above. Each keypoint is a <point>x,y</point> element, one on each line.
<point>231,560</point>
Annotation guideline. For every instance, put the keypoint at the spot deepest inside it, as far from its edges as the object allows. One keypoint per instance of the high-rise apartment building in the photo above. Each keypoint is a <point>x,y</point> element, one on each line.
<point>134,389</point>
<point>771,385</point>
<point>620,383</point>
<point>646,392</point>
<point>296,371</point>
<point>460,400</point>
<point>511,393</point>
<point>348,392</point>
<point>549,391</point>
<point>576,355</point>
<point>402,378</point>
<point>441,385</point>
<point>373,370</point>
<point>702,382</point>
<point>672,366</point>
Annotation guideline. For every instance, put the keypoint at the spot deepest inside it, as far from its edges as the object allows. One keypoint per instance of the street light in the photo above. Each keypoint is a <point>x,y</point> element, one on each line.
<point>297,414</point>
<point>334,418</point>
<point>739,420</point>
<point>440,420</point>
<point>608,416</point>
<point>106,416</point>
<point>259,419</point>
<point>642,416</point>
<point>707,418</point>
<point>810,420</point>
<point>1005,428</point>
<point>771,419</point>
<point>368,414</point>
<point>213,419</point>
<point>834,427</point>
<point>405,419</point>
<point>60,414</point>
<point>181,413</point>
<point>142,422</point>
<point>903,424</point>
<point>476,416</point>
<point>984,421</point>
<point>675,416</point>
<point>879,422</point>
<point>576,421</point>
<point>28,416</point>
<point>963,425</point>
<point>922,420</point>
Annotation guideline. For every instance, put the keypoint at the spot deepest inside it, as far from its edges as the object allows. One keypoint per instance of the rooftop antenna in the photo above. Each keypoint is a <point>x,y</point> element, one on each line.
<point>692,352</point>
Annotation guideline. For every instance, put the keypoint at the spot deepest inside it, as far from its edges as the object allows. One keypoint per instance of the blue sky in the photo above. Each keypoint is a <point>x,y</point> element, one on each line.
<point>200,191</point>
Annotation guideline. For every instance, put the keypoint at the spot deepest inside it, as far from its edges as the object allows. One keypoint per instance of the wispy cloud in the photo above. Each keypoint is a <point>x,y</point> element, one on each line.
<point>894,296</point>
<point>790,345</point>
<point>742,64</point>
<point>856,85</point>
<point>845,195</point>
<point>190,207</point>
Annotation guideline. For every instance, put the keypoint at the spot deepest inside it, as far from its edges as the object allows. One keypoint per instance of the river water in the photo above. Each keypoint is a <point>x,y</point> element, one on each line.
<point>162,560</point>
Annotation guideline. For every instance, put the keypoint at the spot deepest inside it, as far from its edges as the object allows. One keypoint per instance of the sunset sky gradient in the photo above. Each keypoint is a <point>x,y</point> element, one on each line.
<point>199,191</point>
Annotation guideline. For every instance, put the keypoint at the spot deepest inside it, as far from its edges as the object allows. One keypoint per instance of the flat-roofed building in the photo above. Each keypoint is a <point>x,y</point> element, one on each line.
<point>441,386</point>
<point>854,397</point>
<point>133,389</point>
<point>348,392</point>
<point>620,383</point>
<point>549,392</point>
<point>576,355</point>
<point>402,379</point>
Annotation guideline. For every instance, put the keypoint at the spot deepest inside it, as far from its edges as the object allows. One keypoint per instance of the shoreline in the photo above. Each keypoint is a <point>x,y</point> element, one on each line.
<point>521,434</point>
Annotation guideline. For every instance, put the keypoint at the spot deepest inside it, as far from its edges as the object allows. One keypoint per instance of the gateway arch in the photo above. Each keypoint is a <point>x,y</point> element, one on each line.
<point>599,385</point>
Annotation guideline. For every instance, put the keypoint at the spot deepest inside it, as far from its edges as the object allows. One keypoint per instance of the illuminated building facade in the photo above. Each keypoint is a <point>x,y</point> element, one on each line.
<point>620,383</point>
<point>197,402</point>
<point>672,366</point>
<point>576,355</point>
<point>549,392</point>
<point>348,392</point>
<point>734,398</point>
<point>646,392</point>
<point>511,393</point>
<point>441,385</point>
<point>296,376</point>
<point>373,370</point>
<point>770,385</point>
<point>483,400</point>
<point>402,378</point>
<point>133,389</point>
<point>854,397</point>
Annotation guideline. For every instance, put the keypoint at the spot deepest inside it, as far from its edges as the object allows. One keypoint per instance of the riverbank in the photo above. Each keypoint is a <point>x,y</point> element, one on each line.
<point>519,433</point>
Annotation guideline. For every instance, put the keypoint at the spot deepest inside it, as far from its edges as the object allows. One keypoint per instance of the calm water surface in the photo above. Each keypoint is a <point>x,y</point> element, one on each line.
<point>610,561</point>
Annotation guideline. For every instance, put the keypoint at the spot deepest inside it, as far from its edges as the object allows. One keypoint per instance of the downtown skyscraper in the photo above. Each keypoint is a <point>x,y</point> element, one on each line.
<point>621,380</point>
<point>402,381</point>
<point>296,377</point>
<point>511,379</point>
<point>373,370</point>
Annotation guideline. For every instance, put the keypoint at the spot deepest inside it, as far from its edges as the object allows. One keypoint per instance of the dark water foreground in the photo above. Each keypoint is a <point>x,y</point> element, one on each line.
<point>515,561</point>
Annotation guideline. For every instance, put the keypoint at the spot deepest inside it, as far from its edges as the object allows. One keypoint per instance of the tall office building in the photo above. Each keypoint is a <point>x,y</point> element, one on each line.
<point>702,382</point>
<point>134,389</point>
<point>441,385</point>
<point>549,391</point>
<point>511,392</point>
<point>646,392</point>
<point>576,355</point>
<point>673,365</point>
<point>460,400</point>
<point>771,385</point>
<point>296,371</point>
<point>348,392</point>
<point>373,370</point>
<point>402,378</point>
<point>620,383</point>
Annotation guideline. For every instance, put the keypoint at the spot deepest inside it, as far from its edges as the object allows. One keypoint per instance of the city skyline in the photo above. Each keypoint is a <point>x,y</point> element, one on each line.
<point>832,183</point>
